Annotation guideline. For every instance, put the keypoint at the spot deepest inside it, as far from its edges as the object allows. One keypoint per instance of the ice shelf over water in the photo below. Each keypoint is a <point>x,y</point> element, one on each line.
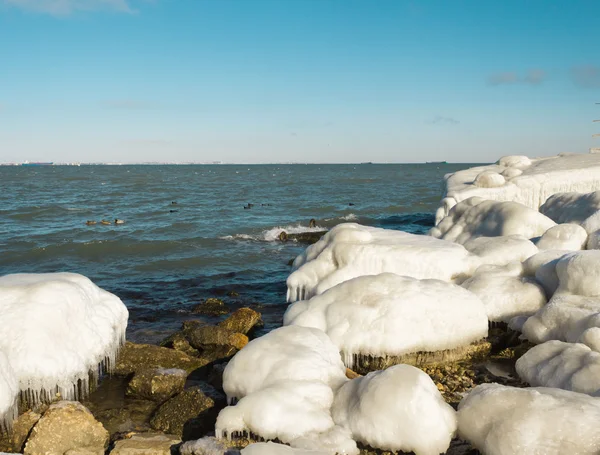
<point>500,420</point>
<point>58,329</point>
<point>520,179</point>
<point>387,314</point>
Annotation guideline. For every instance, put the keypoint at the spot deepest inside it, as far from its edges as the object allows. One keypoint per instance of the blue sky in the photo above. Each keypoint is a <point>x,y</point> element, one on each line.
<point>297,80</point>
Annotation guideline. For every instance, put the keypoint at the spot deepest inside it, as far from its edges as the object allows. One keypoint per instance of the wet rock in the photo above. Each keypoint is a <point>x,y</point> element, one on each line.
<point>157,384</point>
<point>67,427</point>
<point>214,353</point>
<point>211,307</point>
<point>302,237</point>
<point>200,336</point>
<point>139,357</point>
<point>178,342</point>
<point>147,444</point>
<point>187,411</point>
<point>241,321</point>
<point>21,430</point>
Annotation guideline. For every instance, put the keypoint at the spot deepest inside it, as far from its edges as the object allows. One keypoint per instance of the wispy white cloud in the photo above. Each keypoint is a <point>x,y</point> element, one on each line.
<point>66,7</point>
<point>532,77</point>
<point>441,120</point>
<point>586,76</point>
<point>131,104</point>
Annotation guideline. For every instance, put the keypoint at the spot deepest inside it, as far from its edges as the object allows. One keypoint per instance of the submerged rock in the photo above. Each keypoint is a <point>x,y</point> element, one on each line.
<point>211,307</point>
<point>139,357</point>
<point>157,384</point>
<point>146,444</point>
<point>241,321</point>
<point>67,427</point>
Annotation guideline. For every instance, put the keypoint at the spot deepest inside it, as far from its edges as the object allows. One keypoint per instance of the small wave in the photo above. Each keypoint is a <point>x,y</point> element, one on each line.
<point>349,217</point>
<point>271,235</point>
<point>239,237</point>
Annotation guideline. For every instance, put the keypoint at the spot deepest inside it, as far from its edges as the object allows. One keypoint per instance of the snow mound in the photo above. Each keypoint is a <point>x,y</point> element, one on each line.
<point>563,237</point>
<point>271,448</point>
<point>476,217</point>
<point>540,179</point>
<point>57,329</point>
<point>501,420</point>
<point>287,353</point>
<point>350,250</point>
<point>566,366</point>
<point>387,314</point>
<point>9,391</point>
<point>489,179</point>
<point>579,273</point>
<point>571,207</point>
<point>396,409</point>
<point>506,296</point>
<point>542,266</point>
<point>501,250</point>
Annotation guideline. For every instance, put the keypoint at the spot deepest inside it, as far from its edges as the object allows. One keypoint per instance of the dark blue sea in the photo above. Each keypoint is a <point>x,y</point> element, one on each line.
<point>187,235</point>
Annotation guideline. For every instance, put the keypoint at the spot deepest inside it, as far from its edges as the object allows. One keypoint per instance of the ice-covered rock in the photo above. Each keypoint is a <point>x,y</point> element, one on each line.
<point>489,179</point>
<point>272,448</point>
<point>539,179</point>
<point>500,420</point>
<point>350,250</point>
<point>542,266</point>
<point>563,237</point>
<point>396,409</point>
<point>568,366</point>
<point>579,273</point>
<point>287,353</point>
<point>477,217</point>
<point>57,328</point>
<point>571,207</point>
<point>9,390</point>
<point>501,250</point>
<point>391,315</point>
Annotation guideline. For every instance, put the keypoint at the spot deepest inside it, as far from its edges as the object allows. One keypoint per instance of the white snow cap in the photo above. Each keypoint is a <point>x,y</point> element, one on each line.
<point>350,250</point>
<point>396,409</point>
<point>9,390</point>
<point>563,237</point>
<point>568,366</point>
<point>271,448</point>
<point>56,329</point>
<point>388,314</point>
<point>287,353</point>
<point>501,420</point>
<point>539,179</point>
<point>477,217</point>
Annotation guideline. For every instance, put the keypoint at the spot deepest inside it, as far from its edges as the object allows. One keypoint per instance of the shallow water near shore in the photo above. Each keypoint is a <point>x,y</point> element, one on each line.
<point>187,235</point>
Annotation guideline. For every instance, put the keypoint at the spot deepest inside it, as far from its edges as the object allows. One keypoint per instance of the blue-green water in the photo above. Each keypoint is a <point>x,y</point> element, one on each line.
<point>168,257</point>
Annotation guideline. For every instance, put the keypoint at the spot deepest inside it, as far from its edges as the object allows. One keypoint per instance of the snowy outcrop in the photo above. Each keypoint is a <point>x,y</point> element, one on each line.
<point>9,391</point>
<point>528,181</point>
<point>571,207</point>
<point>567,366</point>
<point>563,237</point>
<point>501,420</point>
<point>477,217</point>
<point>501,250</point>
<point>390,315</point>
<point>57,329</point>
<point>396,409</point>
<point>350,250</point>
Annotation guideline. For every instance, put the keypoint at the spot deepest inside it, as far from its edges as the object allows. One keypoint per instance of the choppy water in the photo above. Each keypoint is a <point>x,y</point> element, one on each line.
<point>167,257</point>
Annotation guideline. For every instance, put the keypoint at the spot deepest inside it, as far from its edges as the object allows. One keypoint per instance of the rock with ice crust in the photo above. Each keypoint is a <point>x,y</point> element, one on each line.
<point>501,250</point>
<point>538,180</point>
<point>271,448</point>
<point>500,420</point>
<point>567,366</point>
<point>57,328</point>
<point>563,237</point>
<point>350,250</point>
<point>9,390</point>
<point>287,353</point>
<point>477,217</point>
<point>396,409</point>
<point>571,207</point>
<point>391,315</point>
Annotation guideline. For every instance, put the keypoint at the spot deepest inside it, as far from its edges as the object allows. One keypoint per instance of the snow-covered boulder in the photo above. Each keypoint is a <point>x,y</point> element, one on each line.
<point>396,409</point>
<point>477,217</point>
<point>391,315</point>
<point>567,366</point>
<point>350,250</point>
<point>542,266</point>
<point>9,390</point>
<point>57,328</point>
<point>579,273</point>
<point>272,448</point>
<point>563,237</point>
<point>571,207</point>
<point>538,180</point>
<point>501,420</point>
<point>501,250</point>
<point>287,353</point>
<point>489,179</point>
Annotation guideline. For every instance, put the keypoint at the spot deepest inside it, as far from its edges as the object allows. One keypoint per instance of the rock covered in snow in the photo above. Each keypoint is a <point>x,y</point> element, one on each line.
<point>500,420</point>
<point>563,237</point>
<point>501,250</point>
<point>489,179</point>
<point>477,217</point>
<point>396,409</point>
<point>271,448</point>
<point>206,446</point>
<point>542,266</point>
<point>350,250</point>
<point>571,207</point>
<point>567,366</point>
<point>57,328</point>
<point>391,315</point>
<point>9,390</point>
<point>287,353</point>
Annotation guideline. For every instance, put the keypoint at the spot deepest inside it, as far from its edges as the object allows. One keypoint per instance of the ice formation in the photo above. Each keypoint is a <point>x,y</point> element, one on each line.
<point>500,420</point>
<point>350,250</point>
<point>563,237</point>
<point>571,207</point>
<point>542,266</point>
<point>506,295</point>
<point>477,217</point>
<point>396,409</point>
<point>287,353</point>
<point>529,182</point>
<point>568,366</point>
<point>9,390</point>
<point>388,314</point>
<point>501,250</point>
<point>57,330</point>
<point>271,448</point>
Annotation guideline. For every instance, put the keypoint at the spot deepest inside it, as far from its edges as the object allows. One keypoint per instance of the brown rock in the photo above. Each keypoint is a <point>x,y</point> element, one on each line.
<point>211,307</point>
<point>21,429</point>
<point>140,357</point>
<point>146,444</point>
<point>241,321</point>
<point>67,427</point>
<point>202,335</point>
<point>178,342</point>
<point>157,384</point>
<point>351,374</point>
<point>181,410</point>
